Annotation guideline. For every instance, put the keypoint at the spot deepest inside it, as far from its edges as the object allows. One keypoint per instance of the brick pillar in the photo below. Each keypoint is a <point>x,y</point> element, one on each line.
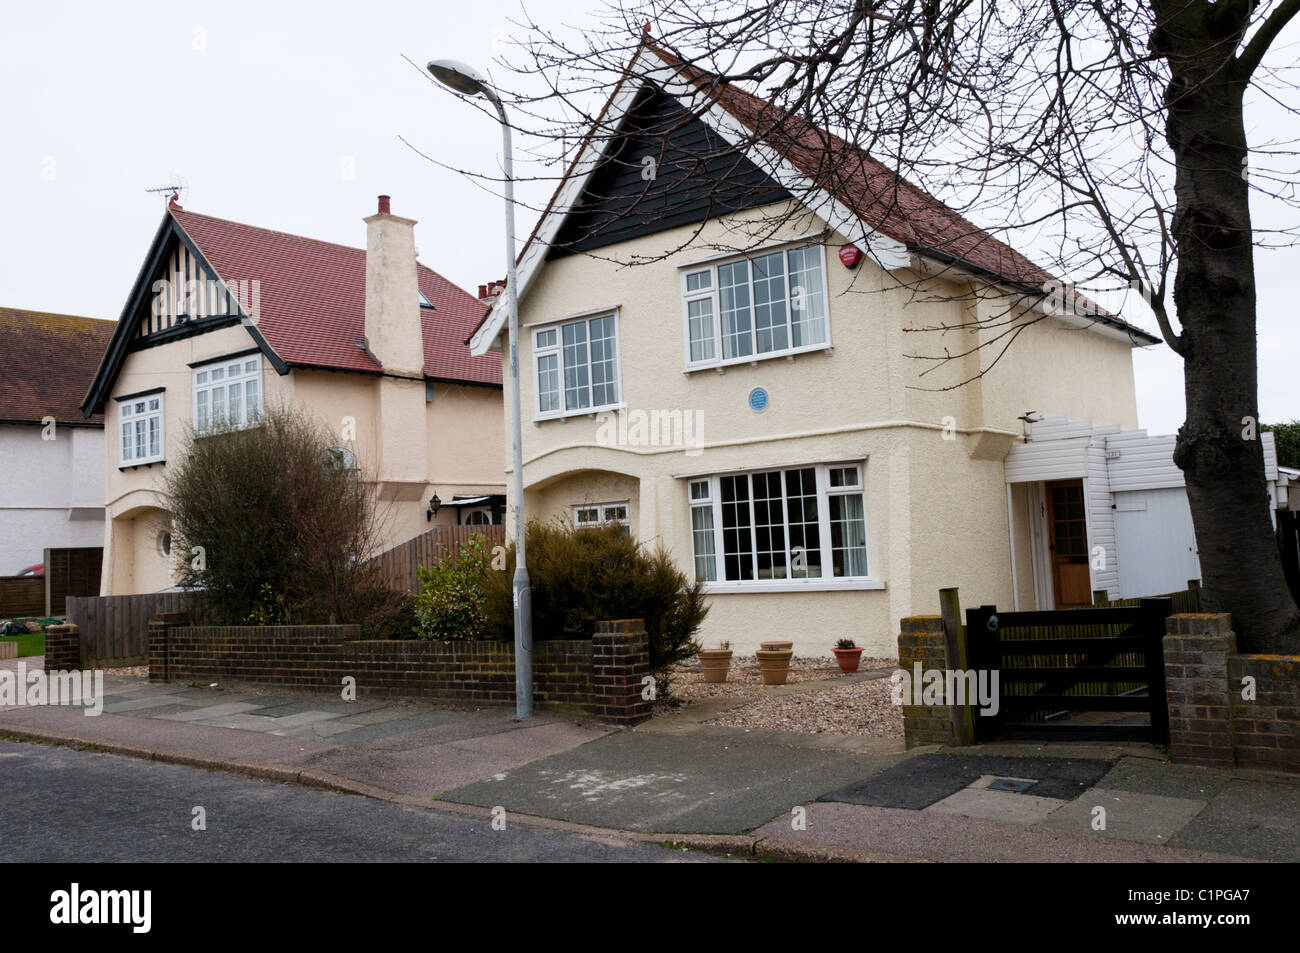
<point>620,659</point>
<point>160,627</point>
<point>1196,649</point>
<point>921,640</point>
<point>62,648</point>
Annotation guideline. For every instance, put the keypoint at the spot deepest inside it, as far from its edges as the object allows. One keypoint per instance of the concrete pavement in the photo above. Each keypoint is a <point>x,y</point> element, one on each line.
<point>774,793</point>
<point>65,806</point>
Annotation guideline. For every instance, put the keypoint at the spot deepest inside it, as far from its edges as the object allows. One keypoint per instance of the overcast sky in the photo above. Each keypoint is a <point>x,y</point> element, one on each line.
<point>287,116</point>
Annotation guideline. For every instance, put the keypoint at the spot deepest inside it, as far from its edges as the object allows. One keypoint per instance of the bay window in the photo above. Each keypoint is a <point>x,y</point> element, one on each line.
<point>577,366</point>
<point>760,305</point>
<point>788,528</point>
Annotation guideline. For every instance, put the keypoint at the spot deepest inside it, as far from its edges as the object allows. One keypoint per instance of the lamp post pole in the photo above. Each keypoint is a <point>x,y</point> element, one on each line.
<point>466,81</point>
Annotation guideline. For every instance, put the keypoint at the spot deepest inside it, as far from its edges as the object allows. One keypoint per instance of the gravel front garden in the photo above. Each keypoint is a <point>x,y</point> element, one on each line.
<point>816,699</point>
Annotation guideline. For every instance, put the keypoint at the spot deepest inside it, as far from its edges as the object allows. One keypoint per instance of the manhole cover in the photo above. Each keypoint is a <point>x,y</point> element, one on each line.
<point>1011,784</point>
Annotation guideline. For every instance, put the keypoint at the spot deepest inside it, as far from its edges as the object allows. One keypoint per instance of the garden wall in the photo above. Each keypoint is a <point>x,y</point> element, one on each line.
<point>1226,708</point>
<point>600,677</point>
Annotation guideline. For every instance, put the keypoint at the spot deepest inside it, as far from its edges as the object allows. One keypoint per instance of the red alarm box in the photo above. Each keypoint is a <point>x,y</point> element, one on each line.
<point>850,255</point>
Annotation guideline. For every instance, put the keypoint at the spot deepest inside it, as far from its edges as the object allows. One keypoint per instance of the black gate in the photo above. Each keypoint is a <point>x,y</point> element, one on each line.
<point>1073,674</point>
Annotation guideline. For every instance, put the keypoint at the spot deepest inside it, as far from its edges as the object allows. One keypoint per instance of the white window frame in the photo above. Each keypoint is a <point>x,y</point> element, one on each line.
<point>712,294</point>
<point>713,501</point>
<point>138,411</point>
<point>557,350</point>
<point>604,518</point>
<point>206,387</point>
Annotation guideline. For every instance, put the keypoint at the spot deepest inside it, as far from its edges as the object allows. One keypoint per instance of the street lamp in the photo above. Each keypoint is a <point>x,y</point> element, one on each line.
<point>467,81</point>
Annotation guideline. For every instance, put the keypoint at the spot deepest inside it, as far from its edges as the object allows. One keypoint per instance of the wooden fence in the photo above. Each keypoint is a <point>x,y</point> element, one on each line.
<point>115,629</point>
<point>21,596</point>
<point>71,572</point>
<point>1186,600</point>
<point>397,566</point>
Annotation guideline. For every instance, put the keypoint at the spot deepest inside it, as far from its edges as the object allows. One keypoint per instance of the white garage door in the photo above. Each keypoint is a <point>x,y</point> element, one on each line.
<point>1154,542</point>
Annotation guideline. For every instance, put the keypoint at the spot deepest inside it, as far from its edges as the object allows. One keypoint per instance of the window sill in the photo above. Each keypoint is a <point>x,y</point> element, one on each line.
<point>789,355</point>
<point>141,463</point>
<point>584,412</point>
<point>810,585</point>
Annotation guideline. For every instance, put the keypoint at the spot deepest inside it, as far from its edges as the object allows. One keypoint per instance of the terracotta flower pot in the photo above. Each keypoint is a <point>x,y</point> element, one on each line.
<point>774,665</point>
<point>776,646</point>
<point>716,663</point>
<point>848,659</point>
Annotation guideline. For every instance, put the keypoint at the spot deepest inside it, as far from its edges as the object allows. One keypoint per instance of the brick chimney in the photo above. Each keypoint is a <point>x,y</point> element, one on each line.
<point>489,292</point>
<point>393,332</point>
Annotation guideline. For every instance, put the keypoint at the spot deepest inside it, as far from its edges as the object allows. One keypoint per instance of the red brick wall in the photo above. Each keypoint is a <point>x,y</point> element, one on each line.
<point>1212,719</point>
<point>600,677</point>
<point>62,648</point>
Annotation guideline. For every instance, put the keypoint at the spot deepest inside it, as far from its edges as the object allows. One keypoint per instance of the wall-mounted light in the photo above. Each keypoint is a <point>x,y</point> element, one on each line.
<point>432,511</point>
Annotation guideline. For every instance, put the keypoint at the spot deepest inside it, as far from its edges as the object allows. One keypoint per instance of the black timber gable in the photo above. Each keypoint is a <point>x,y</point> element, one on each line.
<point>664,169</point>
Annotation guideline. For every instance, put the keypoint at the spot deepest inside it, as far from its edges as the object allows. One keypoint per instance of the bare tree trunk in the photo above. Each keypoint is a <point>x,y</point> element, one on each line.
<point>1218,447</point>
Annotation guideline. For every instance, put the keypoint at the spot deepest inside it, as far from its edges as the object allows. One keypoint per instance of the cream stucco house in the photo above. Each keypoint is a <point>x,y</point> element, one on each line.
<point>699,364</point>
<point>225,318</point>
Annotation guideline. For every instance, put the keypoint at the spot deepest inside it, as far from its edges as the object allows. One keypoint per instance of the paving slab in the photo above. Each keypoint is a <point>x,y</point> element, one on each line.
<point>319,729</point>
<point>179,739</point>
<point>171,708</point>
<point>240,721</point>
<point>279,708</point>
<point>927,835</point>
<point>920,781</point>
<point>648,781</point>
<point>1009,806</point>
<point>1160,777</point>
<point>1147,818</point>
<point>390,728</point>
<point>116,705</point>
<point>1259,819</point>
<point>208,712</point>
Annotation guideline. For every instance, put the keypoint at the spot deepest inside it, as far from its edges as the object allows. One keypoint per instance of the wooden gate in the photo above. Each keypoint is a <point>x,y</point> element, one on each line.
<point>1074,674</point>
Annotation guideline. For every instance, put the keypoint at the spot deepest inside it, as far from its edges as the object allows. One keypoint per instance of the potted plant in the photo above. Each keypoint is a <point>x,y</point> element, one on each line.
<point>848,655</point>
<point>774,663</point>
<point>716,663</point>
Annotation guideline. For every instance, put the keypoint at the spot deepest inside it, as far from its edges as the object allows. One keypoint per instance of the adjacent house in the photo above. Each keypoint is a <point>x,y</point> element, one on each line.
<point>226,317</point>
<point>51,455</point>
<point>708,358</point>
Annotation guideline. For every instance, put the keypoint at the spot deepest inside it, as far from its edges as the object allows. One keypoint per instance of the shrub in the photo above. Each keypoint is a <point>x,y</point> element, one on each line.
<point>582,576</point>
<point>450,604</point>
<point>387,614</point>
<point>283,533</point>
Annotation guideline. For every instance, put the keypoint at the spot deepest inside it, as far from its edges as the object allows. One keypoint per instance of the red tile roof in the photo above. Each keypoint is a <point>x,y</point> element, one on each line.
<point>313,300</point>
<point>47,362</point>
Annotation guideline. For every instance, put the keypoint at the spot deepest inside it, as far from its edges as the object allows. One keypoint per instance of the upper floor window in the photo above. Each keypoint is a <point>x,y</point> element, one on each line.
<point>793,527</point>
<point>227,395</point>
<point>142,429</point>
<point>577,366</point>
<point>761,305</point>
